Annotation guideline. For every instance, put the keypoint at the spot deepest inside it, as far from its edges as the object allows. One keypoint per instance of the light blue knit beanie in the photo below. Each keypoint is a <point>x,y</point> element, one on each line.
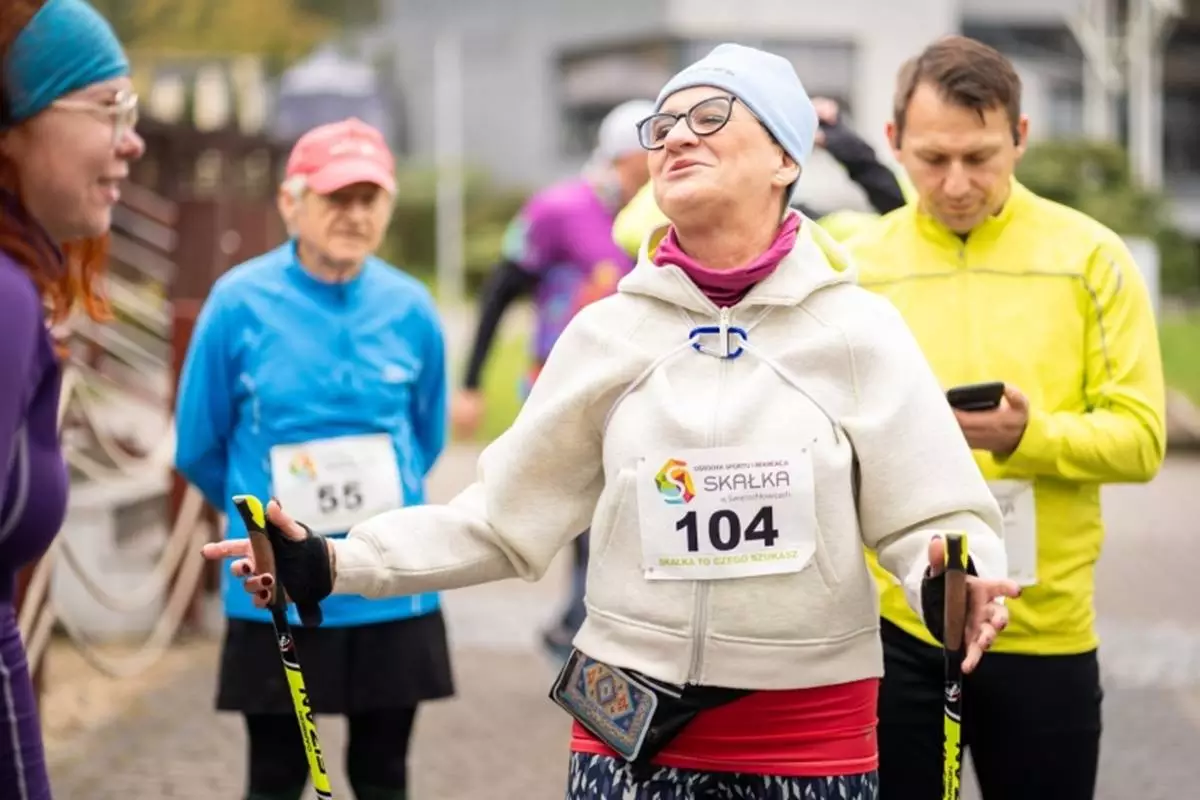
<point>767,84</point>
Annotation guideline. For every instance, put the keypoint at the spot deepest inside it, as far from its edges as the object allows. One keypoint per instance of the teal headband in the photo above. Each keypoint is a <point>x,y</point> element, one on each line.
<point>66,46</point>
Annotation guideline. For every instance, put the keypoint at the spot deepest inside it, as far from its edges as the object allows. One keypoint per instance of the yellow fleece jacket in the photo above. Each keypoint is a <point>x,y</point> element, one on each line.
<point>1050,301</point>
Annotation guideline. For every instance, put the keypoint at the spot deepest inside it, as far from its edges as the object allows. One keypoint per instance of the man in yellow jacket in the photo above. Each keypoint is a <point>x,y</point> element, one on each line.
<point>1000,285</point>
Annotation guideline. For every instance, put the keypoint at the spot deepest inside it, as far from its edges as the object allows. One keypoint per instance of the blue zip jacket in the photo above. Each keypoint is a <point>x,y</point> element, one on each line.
<point>280,357</point>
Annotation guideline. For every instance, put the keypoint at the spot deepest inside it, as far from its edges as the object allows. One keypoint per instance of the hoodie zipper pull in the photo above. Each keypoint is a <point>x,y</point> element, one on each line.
<point>723,324</point>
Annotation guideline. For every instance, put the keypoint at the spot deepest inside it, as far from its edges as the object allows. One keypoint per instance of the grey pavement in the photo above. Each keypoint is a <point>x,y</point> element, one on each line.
<point>501,738</point>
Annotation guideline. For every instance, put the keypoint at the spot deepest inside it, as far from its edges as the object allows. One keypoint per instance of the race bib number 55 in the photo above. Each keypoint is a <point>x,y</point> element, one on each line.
<point>333,484</point>
<point>731,512</point>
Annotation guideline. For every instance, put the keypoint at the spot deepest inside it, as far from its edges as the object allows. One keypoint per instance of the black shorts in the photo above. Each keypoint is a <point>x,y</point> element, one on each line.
<point>1030,723</point>
<point>350,670</point>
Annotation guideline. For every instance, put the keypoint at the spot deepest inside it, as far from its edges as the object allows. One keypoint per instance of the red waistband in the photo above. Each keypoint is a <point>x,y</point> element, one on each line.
<point>825,731</point>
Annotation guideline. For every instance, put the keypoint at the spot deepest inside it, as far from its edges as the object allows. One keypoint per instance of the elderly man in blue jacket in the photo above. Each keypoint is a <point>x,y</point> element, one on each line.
<point>316,375</point>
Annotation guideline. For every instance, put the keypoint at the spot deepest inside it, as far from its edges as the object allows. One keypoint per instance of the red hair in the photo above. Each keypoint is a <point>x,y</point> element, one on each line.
<point>64,279</point>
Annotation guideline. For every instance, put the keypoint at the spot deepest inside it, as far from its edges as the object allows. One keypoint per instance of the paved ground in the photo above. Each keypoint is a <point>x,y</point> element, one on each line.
<point>501,738</point>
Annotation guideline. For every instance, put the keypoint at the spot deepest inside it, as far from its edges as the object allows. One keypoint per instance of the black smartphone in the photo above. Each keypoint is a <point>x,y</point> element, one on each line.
<point>976,396</point>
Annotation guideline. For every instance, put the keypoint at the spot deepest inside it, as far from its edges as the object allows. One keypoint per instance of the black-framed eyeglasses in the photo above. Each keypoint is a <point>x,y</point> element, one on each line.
<point>703,119</point>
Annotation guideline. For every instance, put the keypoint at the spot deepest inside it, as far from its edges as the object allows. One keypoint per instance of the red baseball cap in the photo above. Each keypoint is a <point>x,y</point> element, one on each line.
<point>336,155</point>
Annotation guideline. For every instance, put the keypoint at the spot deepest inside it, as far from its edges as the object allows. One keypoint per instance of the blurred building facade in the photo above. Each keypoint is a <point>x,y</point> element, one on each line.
<point>328,86</point>
<point>536,76</point>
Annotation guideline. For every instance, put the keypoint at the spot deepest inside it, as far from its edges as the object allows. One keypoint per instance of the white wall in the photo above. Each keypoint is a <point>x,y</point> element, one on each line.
<point>1035,97</point>
<point>1024,11</point>
<point>511,123</point>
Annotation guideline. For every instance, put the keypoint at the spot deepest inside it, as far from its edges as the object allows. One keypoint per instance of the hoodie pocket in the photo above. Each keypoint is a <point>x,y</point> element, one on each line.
<point>618,499</point>
<point>616,582</point>
<point>824,562</point>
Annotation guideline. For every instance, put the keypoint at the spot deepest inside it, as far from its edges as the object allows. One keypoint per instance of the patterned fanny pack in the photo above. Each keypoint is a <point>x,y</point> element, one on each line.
<point>635,715</point>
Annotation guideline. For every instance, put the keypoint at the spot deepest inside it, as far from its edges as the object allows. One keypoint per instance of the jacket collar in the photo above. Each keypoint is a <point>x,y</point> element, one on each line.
<point>311,285</point>
<point>1019,198</point>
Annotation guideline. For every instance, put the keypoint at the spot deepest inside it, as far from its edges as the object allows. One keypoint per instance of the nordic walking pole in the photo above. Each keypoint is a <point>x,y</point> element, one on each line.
<point>251,511</point>
<point>954,650</point>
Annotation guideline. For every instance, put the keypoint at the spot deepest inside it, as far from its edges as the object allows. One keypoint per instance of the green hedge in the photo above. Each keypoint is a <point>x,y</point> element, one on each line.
<point>1095,178</point>
<point>412,239</point>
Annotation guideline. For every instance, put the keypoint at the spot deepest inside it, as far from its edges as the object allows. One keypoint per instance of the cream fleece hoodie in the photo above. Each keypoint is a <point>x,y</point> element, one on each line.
<point>829,368</point>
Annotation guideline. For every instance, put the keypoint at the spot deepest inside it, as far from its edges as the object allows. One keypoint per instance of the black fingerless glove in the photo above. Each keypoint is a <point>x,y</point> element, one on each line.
<point>933,601</point>
<point>303,569</point>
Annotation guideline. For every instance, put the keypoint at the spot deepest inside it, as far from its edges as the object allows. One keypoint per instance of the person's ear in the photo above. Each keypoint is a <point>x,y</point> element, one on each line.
<point>1021,135</point>
<point>893,137</point>
<point>289,207</point>
<point>787,173</point>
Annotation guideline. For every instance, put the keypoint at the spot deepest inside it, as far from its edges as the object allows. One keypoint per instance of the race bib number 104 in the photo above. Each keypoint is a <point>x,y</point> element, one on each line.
<point>730,512</point>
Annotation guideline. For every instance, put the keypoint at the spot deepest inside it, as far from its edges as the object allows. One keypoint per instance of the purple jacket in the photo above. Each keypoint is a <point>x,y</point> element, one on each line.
<point>33,477</point>
<point>33,502</point>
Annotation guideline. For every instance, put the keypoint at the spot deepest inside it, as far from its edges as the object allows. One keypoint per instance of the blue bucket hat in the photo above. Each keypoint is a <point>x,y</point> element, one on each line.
<point>66,46</point>
<point>765,83</point>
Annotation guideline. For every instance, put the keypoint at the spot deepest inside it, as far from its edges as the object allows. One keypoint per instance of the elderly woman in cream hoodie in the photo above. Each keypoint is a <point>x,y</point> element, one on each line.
<point>734,426</point>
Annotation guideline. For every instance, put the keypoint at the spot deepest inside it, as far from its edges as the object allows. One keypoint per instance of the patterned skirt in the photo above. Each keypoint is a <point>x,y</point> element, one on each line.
<point>596,777</point>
